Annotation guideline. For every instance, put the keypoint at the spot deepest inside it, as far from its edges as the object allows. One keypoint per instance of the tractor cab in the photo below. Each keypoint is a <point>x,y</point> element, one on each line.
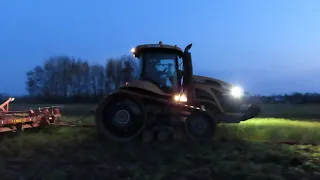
<point>166,66</point>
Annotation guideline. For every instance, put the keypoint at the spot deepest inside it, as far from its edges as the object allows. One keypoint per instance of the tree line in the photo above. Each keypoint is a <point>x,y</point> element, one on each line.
<point>294,98</point>
<point>64,79</point>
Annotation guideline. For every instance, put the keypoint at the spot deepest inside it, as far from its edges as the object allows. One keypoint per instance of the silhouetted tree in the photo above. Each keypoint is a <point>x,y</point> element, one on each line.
<point>63,77</point>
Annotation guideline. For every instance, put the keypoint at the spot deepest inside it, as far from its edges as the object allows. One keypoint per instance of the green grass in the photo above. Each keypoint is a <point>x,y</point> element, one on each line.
<point>260,129</point>
<point>289,111</point>
<point>76,153</point>
<point>273,129</point>
<point>300,111</point>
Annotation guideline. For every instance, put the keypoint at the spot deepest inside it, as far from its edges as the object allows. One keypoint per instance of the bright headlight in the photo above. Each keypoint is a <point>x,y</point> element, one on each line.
<point>176,97</point>
<point>183,98</point>
<point>180,98</point>
<point>237,92</point>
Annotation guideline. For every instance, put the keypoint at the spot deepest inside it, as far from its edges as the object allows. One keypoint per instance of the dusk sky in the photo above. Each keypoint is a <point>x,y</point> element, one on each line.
<point>266,46</point>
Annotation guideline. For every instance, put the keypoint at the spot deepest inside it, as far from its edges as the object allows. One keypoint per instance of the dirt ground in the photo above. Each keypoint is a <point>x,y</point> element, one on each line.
<point>77,153</point>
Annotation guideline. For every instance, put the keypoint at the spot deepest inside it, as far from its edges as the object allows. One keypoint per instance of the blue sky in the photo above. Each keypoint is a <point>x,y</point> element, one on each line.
<point>266,46</point>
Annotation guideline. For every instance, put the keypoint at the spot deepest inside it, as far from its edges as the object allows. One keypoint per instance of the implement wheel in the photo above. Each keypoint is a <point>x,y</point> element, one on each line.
<point>120,119</point>
<point>199,125</point>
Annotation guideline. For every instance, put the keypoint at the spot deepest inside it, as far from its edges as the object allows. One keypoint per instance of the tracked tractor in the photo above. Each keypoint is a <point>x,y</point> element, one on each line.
<point>158,103</point>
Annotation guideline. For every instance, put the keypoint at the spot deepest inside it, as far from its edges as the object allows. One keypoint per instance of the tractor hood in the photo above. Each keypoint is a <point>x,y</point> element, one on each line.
<point>211,81</point>
<point>219,85</point>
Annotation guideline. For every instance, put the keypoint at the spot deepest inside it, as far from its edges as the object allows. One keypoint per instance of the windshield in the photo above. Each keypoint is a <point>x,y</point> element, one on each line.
<point>161,69</point>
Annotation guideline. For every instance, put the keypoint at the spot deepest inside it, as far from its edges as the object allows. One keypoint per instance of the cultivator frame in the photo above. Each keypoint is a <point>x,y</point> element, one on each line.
<point>16,121</point>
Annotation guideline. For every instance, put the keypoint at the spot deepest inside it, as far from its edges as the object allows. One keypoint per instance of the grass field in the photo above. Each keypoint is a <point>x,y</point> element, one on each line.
<point>288,111</point>
<point>76,153</point>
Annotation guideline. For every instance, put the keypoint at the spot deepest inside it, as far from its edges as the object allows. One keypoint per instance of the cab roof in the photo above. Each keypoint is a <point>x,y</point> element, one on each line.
<point>156,47</point>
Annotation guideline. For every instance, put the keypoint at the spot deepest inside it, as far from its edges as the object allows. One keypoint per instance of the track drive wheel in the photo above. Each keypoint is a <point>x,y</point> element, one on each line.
<point>120,119</point>
<point>199,125</point>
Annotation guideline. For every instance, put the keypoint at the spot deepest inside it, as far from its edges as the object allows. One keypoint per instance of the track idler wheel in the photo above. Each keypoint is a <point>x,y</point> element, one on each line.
<point>163,134</point>
<point>199,125</point>
<point>178,135</point>
<point>120,119</point>
<point>147,136</point>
